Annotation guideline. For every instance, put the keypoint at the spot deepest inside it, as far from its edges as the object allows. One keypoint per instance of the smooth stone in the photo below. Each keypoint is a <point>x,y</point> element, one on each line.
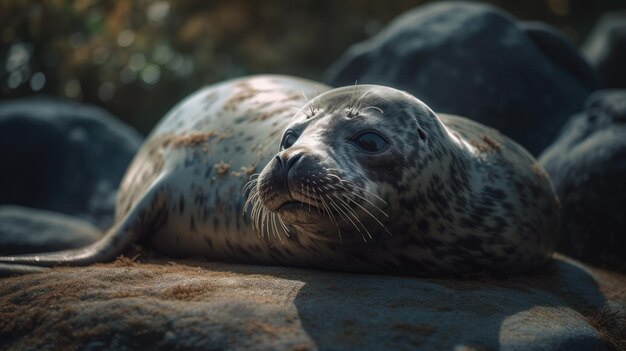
<point>524,79</point>
<point>587,165</point>
<point>63,156</point>
<point>605,49</point>
<point>28,230</point>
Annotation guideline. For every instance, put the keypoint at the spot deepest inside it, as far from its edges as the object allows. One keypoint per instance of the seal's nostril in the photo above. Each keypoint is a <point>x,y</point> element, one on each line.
<point>279,160</point>
<point>292,161</point>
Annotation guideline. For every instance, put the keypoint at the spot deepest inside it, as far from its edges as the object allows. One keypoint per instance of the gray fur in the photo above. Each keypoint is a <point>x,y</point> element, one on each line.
<point>449,196</point>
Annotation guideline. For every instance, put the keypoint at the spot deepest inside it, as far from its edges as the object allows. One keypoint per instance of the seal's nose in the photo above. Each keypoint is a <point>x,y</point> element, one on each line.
<point>292,160</point>
<point>287,160</point>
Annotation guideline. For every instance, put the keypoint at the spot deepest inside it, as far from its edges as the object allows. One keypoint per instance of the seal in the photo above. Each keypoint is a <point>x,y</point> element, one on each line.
<point>363,178</point>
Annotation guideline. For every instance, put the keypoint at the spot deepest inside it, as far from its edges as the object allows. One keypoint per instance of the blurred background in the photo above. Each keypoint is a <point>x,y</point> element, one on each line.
<point>138,58</point>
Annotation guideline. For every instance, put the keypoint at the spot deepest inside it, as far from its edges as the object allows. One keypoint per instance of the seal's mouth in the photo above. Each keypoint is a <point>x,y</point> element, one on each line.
<point>290,205</point>
<point>299,212</point>
<point>294,205</point>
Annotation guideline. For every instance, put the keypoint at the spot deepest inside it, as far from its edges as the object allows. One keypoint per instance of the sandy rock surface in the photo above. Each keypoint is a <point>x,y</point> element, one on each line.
<point>198,305</point>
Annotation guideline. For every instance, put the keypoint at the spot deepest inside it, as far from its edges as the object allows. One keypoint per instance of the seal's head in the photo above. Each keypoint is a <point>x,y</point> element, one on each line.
<point>341,159</point>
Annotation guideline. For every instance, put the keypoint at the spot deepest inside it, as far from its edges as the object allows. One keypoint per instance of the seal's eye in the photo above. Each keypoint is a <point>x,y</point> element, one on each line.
<point>371,142</point>
<point>288,140</point>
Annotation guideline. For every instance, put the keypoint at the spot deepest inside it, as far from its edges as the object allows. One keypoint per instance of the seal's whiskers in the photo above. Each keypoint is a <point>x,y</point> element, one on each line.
<point>308,103</point>
<point>352,192</point>
<point>343,214</point>
<point>370,107</point>
<point>285,229</point>
<point>351,212</point>
<point>330,214</point>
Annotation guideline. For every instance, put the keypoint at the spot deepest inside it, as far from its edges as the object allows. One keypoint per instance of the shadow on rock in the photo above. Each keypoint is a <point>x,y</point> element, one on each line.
<point>540,311</point>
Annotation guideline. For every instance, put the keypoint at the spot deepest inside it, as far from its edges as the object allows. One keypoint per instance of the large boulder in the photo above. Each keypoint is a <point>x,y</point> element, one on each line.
<point>194,305</point>
<point>605,49</point>
<point>587,165</point>
<point>474,60</point>
<point>63,156</point>
<point>27,230</point>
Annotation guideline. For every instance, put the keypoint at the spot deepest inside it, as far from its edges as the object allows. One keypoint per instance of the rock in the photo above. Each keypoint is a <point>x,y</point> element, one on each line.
<point>587,165</point>
<point>198,305</point>
<point>605,49</point>
<point>63,156</point>
<point>559,51</point>
<point>476,61</point>
<point>27,230</point>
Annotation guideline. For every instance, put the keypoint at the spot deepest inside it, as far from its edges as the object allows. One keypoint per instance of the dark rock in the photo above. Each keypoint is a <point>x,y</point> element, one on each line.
<point>605,49</point>
<point>195,305</point>
<point>27,230</point>
<point>63,156</point>
<point>587,165</point>
<point>559,51</point>
<point>476,61</point>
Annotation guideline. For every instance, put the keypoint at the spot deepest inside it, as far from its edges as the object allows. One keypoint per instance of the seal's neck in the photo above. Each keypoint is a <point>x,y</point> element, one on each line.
<point>456,141</point>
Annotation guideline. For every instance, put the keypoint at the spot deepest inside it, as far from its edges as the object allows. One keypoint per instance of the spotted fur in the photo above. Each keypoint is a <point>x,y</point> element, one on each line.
<point>448,196</point>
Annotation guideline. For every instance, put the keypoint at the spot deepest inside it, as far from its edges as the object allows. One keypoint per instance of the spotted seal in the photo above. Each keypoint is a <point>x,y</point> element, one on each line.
<point>363,178</point>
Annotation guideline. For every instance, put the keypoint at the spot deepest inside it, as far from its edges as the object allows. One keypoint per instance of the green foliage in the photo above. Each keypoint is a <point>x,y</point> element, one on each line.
<point>138,58</point>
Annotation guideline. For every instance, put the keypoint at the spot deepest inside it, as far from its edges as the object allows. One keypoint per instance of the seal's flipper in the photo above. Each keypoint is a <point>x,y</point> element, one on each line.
<point>7,270</point>
<point>116,240</point>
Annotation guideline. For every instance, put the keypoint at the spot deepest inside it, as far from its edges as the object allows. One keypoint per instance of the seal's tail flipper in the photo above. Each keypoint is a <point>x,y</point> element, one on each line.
<point>111,245</point>
<point>7,270</point>
<point>106,248</point>
<point>116,240</point>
